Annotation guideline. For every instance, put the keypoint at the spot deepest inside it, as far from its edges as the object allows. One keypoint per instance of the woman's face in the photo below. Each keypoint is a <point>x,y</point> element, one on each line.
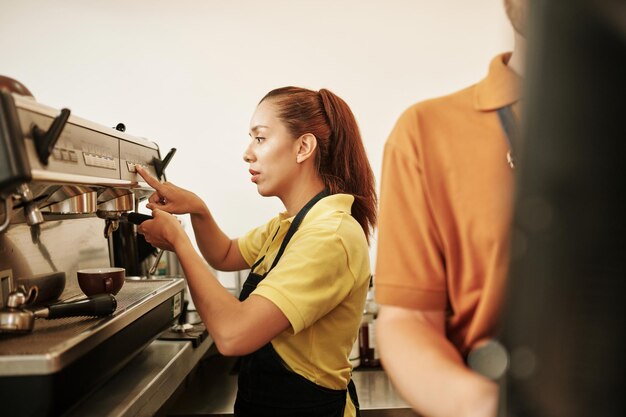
<point>271,153</point>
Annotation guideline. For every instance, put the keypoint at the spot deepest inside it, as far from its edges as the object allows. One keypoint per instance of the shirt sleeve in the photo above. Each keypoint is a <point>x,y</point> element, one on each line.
<point>251,243</point>
<point>311,278</point>
<point>410,271</point>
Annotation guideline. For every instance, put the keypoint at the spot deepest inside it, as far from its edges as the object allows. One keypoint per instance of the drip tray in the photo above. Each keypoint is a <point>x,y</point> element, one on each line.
<point>45,372</point>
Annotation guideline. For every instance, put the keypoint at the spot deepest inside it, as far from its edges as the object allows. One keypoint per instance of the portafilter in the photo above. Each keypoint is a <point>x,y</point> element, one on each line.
<point>18,318</point>
<point>113,217</point>
<point>122,216</point>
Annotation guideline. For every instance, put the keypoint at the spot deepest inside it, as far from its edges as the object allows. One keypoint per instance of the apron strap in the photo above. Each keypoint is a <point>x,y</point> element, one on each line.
<point>257,263</point>
<point>509,125</point>
<point>295,224</point>
<point>354,397</point>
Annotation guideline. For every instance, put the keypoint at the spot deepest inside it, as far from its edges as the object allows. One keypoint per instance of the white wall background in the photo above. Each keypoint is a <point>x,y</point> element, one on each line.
<point>188,73</point>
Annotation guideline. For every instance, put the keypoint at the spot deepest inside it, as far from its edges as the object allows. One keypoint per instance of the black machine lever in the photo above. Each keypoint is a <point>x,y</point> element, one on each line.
<point>45,140</point>
<point>160,165</point>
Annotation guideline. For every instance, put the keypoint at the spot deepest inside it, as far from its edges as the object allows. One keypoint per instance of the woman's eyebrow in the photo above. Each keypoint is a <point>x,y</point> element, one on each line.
<point>257,127</point>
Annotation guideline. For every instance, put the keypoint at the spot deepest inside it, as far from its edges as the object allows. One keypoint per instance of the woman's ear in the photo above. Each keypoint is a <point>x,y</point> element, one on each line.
<point>307,144</point>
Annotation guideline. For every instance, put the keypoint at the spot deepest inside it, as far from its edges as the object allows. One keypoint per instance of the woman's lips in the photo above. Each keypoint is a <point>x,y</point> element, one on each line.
<point>255,175</point>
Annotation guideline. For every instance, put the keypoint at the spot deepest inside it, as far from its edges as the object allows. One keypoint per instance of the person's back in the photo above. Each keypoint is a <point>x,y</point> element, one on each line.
<point>445,209</point>
<point>457,211</point>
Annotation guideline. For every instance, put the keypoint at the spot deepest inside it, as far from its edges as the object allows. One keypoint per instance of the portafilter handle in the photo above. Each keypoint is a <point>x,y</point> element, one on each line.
<point>97,305</point>
<point>135,218</point>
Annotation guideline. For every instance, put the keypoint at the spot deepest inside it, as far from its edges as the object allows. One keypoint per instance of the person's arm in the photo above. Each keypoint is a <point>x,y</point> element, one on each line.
<point>426,368</point>
<point>220,251</point>
<point>237,328</point>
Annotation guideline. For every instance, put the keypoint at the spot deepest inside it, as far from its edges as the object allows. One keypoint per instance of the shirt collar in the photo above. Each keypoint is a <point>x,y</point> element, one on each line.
<point>500,88</point>
<point>329,204</point>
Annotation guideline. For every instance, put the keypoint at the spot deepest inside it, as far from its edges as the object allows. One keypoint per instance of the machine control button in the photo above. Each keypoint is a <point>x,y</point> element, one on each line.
<point>132,166</point>
<point>65,155</point>
<point>99,161</point>
<point>56,153</point>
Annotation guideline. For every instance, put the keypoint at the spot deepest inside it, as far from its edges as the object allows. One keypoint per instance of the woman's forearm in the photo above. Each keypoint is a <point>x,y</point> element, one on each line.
<point>216,306</point>
<point>213,243</point>
<point>237,328</point>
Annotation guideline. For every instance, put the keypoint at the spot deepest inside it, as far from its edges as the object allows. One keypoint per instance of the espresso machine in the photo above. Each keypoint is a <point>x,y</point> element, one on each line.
<point>67,187</point>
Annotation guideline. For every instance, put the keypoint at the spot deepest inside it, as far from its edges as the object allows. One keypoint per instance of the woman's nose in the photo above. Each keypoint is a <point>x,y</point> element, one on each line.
<point>247,155</point>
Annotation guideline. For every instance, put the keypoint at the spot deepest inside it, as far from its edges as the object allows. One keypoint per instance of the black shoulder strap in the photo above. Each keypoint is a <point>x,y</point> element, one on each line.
<point>296,224</point>
<point>257,263</point>
<point>509,125</point>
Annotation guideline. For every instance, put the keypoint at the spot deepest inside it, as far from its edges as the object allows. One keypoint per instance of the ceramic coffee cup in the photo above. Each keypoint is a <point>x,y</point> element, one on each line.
<point>101,280</point>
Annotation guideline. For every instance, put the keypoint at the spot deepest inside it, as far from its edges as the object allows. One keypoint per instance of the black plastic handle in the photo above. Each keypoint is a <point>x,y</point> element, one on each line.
<point>160,165</point>
<point>135,218</point>
<point>97,305</point>
<point>13,156</point>
<point>46,139</point>
<point>182,319</point>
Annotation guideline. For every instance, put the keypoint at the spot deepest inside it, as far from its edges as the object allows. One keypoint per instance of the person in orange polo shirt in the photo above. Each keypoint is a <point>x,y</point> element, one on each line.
<point>445,212</point>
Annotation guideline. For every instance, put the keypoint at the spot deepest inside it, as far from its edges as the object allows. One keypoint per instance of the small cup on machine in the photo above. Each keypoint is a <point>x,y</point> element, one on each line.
<point>107,280</point>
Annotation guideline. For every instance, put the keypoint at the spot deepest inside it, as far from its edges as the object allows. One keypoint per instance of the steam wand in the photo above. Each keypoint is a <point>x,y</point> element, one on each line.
<point>155,265</point>
<point>33,216</point>
<point>8,206</point>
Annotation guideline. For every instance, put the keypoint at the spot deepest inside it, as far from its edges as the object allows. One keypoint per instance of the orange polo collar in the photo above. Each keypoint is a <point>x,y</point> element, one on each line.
<point>500,88</point>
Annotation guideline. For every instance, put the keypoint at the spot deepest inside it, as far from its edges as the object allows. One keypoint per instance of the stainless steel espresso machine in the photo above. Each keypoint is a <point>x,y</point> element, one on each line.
<point>58,174</point>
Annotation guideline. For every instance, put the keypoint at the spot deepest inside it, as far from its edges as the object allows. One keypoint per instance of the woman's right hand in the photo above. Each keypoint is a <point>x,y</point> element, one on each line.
<point>170,198</point>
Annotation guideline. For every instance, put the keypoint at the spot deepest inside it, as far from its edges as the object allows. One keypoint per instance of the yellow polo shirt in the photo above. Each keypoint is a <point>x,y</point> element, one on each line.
<point>320,284</point>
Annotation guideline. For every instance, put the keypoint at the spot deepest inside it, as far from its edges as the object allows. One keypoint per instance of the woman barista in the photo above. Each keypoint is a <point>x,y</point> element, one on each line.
<point>298,314</point>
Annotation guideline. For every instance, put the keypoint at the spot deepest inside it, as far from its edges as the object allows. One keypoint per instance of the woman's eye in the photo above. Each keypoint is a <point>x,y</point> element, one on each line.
<point>259,138</point>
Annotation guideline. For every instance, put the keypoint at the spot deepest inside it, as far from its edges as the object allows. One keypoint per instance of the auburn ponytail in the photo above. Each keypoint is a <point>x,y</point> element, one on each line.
<point>341,161</point>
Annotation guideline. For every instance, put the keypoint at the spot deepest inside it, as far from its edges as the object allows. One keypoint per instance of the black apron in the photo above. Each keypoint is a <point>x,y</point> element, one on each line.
<point>266,386</point>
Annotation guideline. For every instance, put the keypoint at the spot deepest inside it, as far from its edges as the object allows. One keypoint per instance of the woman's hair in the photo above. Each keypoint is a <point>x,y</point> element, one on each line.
<point>341,160</point>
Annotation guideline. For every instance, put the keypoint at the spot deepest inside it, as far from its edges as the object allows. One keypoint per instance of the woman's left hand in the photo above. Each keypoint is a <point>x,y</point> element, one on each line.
<point>164,231</point>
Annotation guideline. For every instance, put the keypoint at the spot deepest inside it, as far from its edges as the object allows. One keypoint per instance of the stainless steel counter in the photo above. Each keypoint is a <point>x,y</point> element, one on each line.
<point>143,386</point>
<point>213,391</point>
<point>55,344</point>
<point>151,383</point>
<point>377,395</point>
